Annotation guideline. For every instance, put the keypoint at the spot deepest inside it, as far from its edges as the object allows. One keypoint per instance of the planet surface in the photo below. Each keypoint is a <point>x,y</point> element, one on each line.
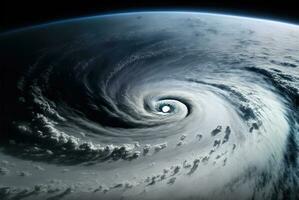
<point>150,105</point>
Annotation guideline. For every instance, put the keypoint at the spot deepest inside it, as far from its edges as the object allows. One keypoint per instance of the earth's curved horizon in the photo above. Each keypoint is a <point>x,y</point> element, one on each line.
<point>110,14</point>
<point>150,105</point>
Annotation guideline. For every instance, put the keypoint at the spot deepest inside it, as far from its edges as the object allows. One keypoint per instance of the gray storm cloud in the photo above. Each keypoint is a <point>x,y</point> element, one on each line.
<point>157,105</point>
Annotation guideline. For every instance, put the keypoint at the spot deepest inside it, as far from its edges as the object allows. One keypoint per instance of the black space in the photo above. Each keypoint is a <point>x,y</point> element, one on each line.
<point>22,13</point>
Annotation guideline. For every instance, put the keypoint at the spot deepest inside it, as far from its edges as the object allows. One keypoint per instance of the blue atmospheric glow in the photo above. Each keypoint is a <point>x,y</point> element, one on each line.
<point>132,12</point>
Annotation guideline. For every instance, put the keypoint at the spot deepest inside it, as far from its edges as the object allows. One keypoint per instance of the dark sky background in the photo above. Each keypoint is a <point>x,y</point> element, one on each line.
<point>22,13</point>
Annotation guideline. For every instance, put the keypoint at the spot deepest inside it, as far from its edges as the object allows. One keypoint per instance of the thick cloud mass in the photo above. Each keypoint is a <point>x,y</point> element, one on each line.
<point>84,108</point>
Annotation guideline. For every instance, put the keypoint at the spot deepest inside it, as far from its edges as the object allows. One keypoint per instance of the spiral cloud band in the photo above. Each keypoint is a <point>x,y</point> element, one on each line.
<point>151,105</point>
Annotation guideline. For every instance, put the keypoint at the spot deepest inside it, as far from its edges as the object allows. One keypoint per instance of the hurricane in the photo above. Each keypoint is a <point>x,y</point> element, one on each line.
<point>150,105</point>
